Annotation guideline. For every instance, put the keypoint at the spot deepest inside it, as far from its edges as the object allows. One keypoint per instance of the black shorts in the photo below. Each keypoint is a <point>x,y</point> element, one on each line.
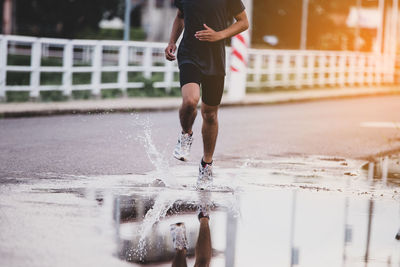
<point>212,86</point>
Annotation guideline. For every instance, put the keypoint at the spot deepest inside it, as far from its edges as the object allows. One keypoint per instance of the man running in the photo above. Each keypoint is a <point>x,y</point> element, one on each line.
<point>201,59</point>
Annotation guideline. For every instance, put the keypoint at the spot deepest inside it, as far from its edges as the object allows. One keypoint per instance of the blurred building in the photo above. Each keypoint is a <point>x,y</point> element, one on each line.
<point>157,19</point>
<point>154,16</point>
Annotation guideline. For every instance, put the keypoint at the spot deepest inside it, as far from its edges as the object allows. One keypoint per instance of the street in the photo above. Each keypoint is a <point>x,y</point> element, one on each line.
<point>108,144</point>
<point>306,167</point>
<point>292,187</point>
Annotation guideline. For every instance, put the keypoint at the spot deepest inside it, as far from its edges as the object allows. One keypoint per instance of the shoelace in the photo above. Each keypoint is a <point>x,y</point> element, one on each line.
<point>186,142</point>
<point>206,172</point>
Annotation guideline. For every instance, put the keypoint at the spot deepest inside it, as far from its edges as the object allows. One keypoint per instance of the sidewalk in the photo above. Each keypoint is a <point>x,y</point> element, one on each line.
<point>9,110</point>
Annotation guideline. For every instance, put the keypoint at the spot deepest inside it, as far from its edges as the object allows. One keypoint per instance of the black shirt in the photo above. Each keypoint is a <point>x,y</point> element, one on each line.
<point>209,57</point>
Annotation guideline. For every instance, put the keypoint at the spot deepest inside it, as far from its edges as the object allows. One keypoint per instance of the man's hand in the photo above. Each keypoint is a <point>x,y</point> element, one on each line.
<point>208,35</point>
<point>169,52</point>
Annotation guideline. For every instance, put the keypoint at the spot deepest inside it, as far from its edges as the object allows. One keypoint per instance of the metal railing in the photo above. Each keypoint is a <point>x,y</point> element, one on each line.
<point>304,68</point>
<point>130,61</point>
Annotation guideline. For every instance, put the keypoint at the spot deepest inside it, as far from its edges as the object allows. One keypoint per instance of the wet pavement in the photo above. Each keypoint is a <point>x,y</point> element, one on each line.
<point>107,143</point>
<point>292,187</point>
<point>294,211</point>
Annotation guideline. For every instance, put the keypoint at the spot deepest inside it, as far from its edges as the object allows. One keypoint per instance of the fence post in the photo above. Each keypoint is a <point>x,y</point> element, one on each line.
<point>370,65</point>
<point>147,62</point>
<point>378,68</point>
<point>310,69</point>
<point>361,69</point>
<point>3,66</point>
<point>299,70</point>
<point>388,69</point>
<point>169,75</point>
<point>342,69</point>
<point>272,60</point>
<point>35,69</point>
<point>123,65</point>
<point>322,69</point>
<point>96,74</point>
<point>67,69</point>
<point>332,69</point>
<point>351,69</point>
<point>286,69</point>
<point>257,69</point>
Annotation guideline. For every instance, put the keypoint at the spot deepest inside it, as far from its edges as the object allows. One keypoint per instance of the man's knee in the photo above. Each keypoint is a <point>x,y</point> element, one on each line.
<point>210,116</point>
<point>189,105</point>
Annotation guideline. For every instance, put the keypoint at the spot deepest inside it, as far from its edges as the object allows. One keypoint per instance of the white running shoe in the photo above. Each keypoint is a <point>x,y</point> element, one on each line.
<point>204,206</point>
<point>178,232</point>
<point>182,148</point>
<point>205,179</point>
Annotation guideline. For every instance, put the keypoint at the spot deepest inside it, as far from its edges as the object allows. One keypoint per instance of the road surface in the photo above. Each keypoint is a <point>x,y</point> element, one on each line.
<point>293,201</point>
<point>108,143</point>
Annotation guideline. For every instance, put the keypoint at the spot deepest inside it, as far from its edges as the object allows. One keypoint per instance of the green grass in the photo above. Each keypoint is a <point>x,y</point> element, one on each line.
<point>81,94</point>
<point>18,60</point>
<point>109,77</point>
<point>18,78</point>
<point>20,96</point>
<point>51,62</point>
<point>49,96</point>
<point>55,78</point>
<point>50,78</point>
<point>81,78</point>
<point>111,93</point>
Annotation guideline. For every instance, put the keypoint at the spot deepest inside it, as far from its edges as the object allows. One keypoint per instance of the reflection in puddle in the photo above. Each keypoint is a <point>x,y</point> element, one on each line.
<point>156,245</point>
<point>386,168</point>
<point>314,228</point>
<point>260,215</point>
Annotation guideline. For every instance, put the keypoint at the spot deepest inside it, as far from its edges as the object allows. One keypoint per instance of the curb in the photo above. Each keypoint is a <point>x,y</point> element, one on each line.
<point>315,95</point>
<point>12,110</point>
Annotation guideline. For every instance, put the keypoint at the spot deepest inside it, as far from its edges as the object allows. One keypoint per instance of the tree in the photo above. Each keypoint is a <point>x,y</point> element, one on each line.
<point>327,25</point>
<point>62,18</point>
<point>280,18</point>
<point>327,29</point>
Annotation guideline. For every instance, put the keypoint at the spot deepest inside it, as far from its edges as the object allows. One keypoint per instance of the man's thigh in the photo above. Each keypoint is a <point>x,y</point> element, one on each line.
<point>212,88</point>
<point>190,79</point>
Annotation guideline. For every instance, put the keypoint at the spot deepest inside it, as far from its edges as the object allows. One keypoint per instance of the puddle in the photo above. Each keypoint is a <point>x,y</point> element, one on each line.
<point>290,210</point>
<point>296,211</point>
<point>385,169</point>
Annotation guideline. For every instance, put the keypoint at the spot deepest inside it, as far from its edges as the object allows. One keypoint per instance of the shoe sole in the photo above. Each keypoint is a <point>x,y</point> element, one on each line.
<point>180,158</point>
<point>204,188</point>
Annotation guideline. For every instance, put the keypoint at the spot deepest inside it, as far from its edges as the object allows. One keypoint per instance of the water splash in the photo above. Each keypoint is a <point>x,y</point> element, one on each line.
<point>160,208</point>
<point>157,159</point>
<point>164,201</point>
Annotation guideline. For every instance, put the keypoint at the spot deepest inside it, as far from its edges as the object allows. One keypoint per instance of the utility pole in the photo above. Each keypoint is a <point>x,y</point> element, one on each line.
<point>395,19</point>
<point>379,38</point>
<point>7,17</point>
<point>304,22</point>
<point>127,20</point>
<point>357,35</point>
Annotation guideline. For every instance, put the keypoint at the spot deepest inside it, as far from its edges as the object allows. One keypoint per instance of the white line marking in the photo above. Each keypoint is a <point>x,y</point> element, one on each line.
<point>380,124</point>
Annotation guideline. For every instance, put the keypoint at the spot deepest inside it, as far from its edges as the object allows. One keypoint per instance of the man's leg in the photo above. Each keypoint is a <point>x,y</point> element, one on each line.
<point>209,130</point>
<point>188,109</point>
<point>179,258</point>
<point>178,233</point>
<point>203,245</point>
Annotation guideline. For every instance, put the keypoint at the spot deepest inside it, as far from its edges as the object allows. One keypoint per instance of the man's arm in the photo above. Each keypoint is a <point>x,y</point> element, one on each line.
<point>177,29</point>
<point>209,35</point>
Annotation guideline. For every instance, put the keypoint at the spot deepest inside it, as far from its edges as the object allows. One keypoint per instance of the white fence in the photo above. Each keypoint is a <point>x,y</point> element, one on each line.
<point>296,68</point>
<point>37,57</point>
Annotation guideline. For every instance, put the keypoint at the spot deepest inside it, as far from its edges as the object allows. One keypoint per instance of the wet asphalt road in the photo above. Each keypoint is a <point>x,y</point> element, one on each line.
<point>108,143</point>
